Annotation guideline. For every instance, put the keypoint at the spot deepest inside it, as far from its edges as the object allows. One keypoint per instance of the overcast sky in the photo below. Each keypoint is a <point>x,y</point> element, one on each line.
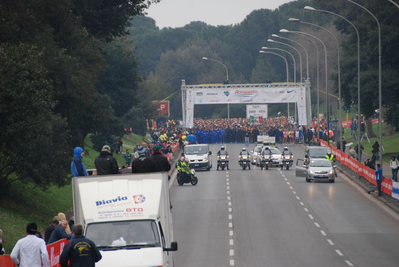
<point>177,13</point>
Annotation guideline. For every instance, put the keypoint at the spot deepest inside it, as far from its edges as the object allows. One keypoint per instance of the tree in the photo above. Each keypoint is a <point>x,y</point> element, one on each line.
<point>34,140</point>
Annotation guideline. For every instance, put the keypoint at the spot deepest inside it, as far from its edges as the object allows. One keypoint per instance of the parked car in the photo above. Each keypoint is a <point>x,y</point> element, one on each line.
<point>317,170</point>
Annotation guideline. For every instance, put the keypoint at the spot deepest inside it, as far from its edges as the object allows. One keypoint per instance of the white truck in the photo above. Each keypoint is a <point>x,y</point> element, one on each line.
<point>128,217</point>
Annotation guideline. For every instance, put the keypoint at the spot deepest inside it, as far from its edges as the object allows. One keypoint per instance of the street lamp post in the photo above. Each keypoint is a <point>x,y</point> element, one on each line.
<point>326,70</point>
<point>358,69</point>
<point>397,5</point>
<point>379,77</point>
<point>300,56</point>
<point>286,62</point>
<point>227,81</point>
<point>339,72</point>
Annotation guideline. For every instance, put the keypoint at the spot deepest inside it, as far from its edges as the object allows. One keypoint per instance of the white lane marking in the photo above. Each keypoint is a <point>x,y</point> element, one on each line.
<point>349,263</point>
<point>231,242</point>
<point>231,262</point>
<point>301,203</point>
<point>339,252</point>
<point>330,242</point>
<point>288,183</point>
<point>228,192</point>
<point>231,233</point>
<point>229,203</point>
<point>291,187</point>
<point>230,217</point>
<point>286,179</point>
<point>227,183</point>
<point>298,198</point>
<point>317,225</point>
<point>231,252</point>
<point>323,233</point>
<point>306,209</point>
<point>227,179</point>
<point>311,217</point>
<point>228,198</point>
<point>228,187</point>
<point>283,175</point>
<point>230,225</point>
<point>294,192</point>
<point>230,209</point>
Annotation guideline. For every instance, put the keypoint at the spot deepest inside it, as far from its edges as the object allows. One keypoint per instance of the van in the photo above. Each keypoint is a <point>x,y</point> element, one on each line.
<point>198,156</point>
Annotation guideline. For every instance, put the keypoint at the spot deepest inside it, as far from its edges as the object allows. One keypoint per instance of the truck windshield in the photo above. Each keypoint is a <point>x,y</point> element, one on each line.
<point>194,150</point>
<point>129,234</point>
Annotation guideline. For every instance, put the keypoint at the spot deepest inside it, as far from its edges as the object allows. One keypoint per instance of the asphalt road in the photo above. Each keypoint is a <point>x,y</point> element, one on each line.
<point>272,218</point>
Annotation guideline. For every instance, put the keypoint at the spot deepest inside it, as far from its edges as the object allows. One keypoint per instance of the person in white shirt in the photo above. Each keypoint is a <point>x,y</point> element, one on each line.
<point>394,166</point>
<point>30,251</point>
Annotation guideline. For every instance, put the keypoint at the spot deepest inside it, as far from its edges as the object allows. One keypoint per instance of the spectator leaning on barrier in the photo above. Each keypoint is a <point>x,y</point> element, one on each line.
<point>106,163</point>
<point>378,179</point>
<point>49,229</point>
<point>394,164</point>
<point>81,251</point>
<point>77,166</point>
<point>30,251</point>
<point>59,232</point>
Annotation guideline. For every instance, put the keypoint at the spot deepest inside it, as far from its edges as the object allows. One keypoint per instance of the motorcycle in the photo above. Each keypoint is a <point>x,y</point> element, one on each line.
<point>190,178</point>
<point>266,162</point>
<point>287,161</point>
<point>223,162</point>
<point>245,161</point>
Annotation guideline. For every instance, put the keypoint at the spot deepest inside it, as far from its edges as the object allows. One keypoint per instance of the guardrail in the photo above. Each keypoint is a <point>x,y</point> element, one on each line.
<point>388,186</point>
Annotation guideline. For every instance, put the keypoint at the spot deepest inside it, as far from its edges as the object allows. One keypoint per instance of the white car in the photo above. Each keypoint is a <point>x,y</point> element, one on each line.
<point>198,156</point>
<point>254,154</point>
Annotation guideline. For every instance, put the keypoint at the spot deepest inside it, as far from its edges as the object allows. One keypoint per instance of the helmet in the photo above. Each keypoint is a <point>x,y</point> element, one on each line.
<point>222,147</point>
<point>285,148</point>
<point>244,149</point>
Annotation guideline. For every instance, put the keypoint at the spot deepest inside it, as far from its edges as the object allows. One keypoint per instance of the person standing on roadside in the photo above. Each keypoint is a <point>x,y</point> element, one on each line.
<point>77,166</point>
<point>30,250</point>
<point>128,157</point>
<point>142,163</point>
<point>378,178</point>
<point>160,161</point>
<point>106,163</point>
<point>49,229</point>
<point>394,164</point>
<point>59,233</point>
<point>81,251</point>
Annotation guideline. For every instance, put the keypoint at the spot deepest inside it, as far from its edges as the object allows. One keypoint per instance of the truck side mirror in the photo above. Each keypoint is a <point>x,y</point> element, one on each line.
<point>173,247</point>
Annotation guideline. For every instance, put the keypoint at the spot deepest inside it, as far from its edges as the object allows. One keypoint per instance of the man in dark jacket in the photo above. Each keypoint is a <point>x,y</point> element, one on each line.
<point>59,233</point>
<point>142,163</point>
<point>81,251</point>
<point>49,229</point>
<point>106,163</point>
<point>160,161</point>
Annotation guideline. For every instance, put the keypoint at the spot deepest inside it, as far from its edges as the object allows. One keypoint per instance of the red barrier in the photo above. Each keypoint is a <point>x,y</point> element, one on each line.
<point>346,124</point>
<point>54,251</point>
<point>6,261</point>
<point>175,146</point>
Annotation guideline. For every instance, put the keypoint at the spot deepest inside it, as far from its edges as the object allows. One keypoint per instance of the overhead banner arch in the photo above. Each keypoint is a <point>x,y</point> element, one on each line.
<point>273,93</point>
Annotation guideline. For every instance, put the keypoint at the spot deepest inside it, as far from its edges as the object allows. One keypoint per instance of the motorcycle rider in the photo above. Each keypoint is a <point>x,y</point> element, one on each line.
<point>286,152</point>
<point>223,152</point>
<point>184,168</point>
<point>330,156</point>
<point>266,151</point>
<point>242,153</point>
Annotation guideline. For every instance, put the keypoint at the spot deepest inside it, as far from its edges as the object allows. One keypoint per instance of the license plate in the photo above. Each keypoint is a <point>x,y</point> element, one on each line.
<point>196,165</point>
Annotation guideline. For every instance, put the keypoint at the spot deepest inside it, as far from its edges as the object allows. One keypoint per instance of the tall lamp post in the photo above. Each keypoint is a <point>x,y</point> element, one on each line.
<point>286,62</point>
<point>379,77</point>
<point>339,72</point>
<point>397,5</point>
<point>326,70</point>
<point>300,56</point>
<point>227,81</point>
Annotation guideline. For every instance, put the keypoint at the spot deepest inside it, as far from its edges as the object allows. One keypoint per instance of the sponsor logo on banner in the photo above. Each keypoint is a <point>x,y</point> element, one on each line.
<point>246,93</point>
<point>246,100</point>
<point>200,93</point>
<point>212,93</point>
<point>111,201</point>
<point>138,199</point>
<point>395,190</point>
<point>226,93</point>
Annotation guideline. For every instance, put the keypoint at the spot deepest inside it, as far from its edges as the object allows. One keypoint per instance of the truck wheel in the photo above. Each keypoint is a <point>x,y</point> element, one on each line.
<point>194,181</point>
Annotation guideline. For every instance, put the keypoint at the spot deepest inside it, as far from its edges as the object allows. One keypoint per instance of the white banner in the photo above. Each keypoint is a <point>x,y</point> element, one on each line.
<point>302,119</point>
<point>190,108</point>
<point>257,111</point>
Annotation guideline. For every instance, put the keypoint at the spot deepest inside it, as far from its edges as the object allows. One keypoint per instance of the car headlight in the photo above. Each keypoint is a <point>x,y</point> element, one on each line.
<point>311,172</point>
<point>331,172</point>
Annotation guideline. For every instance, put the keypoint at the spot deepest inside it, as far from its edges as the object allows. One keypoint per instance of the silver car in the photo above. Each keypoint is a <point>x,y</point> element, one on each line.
<point>276,157</point>
<point>317,170</point>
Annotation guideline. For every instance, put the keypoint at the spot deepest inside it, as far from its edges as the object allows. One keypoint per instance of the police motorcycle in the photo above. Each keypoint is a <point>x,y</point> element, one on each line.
<point>287,159</point>
<point>184,174</point>
<point>244,159</point>
<point>223,159</point>
<point>266,159</point>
